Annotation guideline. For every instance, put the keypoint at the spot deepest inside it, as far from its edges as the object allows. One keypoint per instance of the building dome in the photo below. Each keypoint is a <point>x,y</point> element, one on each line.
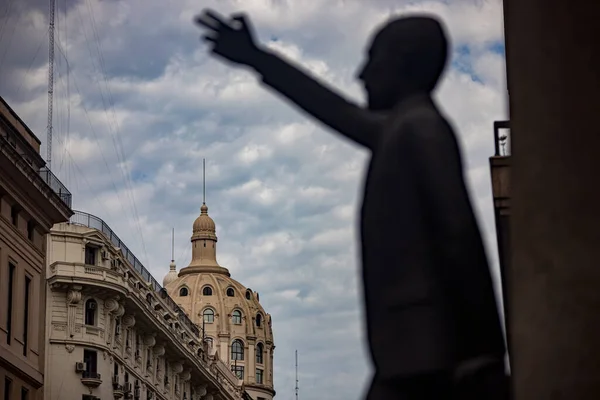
<point>204,246</point>
<point>204,226</point>
<point>171,275</point>
<point>231,315</point>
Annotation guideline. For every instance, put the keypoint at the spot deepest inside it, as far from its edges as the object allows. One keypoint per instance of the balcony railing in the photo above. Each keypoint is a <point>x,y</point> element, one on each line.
<point>91,221</point>
<point>502,139</point>
<point>44,173</point>
<point>56,185</point>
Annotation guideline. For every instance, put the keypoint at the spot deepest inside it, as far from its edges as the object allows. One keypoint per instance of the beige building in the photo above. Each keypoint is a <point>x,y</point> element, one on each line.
<point>235,323</point>
<point>113,332</point>
<point>32,199</point>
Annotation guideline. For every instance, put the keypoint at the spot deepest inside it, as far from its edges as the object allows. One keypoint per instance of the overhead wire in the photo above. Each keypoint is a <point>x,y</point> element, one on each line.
<point>12,33</point>
<point>95,135</point>
<point>5,18</point>
<point>37,51</point>
<point>119,144</point>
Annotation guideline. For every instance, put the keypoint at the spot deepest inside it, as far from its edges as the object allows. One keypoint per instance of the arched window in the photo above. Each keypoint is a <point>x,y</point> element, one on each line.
<point>209,342</point>
<point>90,312</point>
<point>207,291</point>
<point>209,316</point>
<point>259,353</point>
<point>230,292</point>
<point>248,294</point>
<point>237,350</point>
<point>184,291</point>
<point>236,316</point>
<point>258,320</point>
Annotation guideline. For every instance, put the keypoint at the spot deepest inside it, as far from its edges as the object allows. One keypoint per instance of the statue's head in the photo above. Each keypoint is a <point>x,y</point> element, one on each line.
<point>406,56</point>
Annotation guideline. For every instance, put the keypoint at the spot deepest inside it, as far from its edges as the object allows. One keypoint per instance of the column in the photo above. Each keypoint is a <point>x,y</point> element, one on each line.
<point>553,70</point>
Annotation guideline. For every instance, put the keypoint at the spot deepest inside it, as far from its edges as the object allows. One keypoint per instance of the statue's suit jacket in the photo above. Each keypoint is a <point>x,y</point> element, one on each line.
<point>428,291</point>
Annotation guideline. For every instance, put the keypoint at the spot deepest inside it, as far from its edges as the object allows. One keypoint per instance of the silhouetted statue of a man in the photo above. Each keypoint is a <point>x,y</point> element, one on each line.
<point>432,320</point>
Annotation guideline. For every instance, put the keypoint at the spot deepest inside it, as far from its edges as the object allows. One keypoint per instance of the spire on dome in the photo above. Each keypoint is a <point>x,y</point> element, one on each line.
<point>172,274</point>
<point>204,246</point>
<point>204,240</point>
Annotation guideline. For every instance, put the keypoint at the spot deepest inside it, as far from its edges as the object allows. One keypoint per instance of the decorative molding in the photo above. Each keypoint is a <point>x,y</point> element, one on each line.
<point>159,350</point>
<point>120,311</point>
<point>74,295</point>
<point>150,340</point>
<point>177,367</point>
<point>128,321</point>
<point>111,305</point>
<point>70,347</point>
<point>73,299</point>
<point>186,375</point>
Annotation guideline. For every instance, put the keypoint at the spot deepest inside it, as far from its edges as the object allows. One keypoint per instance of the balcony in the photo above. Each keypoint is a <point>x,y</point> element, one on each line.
<point>91,221</point>
<point>91,379</point>
<point>43,179</point>
<point>56,185</point>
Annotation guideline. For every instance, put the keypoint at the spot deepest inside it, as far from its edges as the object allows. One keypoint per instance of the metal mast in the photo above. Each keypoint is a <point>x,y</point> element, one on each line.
<point>50,83</point>
<point>296,374</point>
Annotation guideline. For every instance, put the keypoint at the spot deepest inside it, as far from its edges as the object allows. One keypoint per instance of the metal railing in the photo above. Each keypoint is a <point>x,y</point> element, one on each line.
<point>91,221</point>
<point>502,142</point>
<point>57,186</point>
<point>44,173</point>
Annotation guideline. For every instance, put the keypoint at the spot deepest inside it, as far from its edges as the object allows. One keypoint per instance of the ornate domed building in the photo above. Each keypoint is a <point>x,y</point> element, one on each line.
<point>234,322</point>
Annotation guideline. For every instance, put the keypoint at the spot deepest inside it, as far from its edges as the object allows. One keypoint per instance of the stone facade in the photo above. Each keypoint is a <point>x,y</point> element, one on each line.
<point>31,201</point>
<point>113,332</point>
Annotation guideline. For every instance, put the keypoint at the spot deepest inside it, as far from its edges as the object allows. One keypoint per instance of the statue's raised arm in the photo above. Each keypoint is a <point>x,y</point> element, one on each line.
<point>234,41</point>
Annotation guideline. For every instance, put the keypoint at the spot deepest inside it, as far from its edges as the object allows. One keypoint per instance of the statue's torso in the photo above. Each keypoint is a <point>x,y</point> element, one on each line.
<point>409,318</point>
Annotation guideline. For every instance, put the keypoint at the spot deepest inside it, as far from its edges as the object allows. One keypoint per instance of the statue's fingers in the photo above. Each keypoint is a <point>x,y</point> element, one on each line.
<point>211,39</point>
<point>207,22</point>
<point>241,19</point>
<point>215,17</point>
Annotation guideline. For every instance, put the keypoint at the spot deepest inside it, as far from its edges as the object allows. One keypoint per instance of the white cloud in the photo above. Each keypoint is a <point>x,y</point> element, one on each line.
<point>283,190</point>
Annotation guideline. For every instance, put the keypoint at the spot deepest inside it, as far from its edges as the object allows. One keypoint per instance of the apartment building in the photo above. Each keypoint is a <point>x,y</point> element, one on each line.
<point>32,200</point>
<point>114,332</point>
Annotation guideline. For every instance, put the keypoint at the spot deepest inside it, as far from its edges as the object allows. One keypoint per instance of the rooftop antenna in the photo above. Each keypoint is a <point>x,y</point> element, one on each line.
<point>204,181</point>
<point>173,245</point>
<point>296,374</point>
<point>50,82</point>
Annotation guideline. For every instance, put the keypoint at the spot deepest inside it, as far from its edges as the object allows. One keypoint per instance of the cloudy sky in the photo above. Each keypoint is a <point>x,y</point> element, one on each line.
<point>139,104</point>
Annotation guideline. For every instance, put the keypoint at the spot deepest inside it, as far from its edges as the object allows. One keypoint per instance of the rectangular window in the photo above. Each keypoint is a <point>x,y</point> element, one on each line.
<point>259,376</point>
<point>11,281</point>
<point>24,393</point>
<point>90,255</point>
<point>90,358</point>
<point>30,229</point>
<point>238,370</point>
<point>7,388</point>
<point>26,315</point>
<point>14,215</point>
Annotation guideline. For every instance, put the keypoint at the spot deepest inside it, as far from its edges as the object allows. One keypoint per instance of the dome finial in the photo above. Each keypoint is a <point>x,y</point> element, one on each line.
<point>172,274</point>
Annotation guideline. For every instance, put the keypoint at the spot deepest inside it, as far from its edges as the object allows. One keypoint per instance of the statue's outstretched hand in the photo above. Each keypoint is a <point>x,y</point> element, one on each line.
<point>232,40</point>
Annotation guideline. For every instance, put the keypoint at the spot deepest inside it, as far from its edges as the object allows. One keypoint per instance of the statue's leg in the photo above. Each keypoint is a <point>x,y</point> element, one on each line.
<point>435,386</point>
